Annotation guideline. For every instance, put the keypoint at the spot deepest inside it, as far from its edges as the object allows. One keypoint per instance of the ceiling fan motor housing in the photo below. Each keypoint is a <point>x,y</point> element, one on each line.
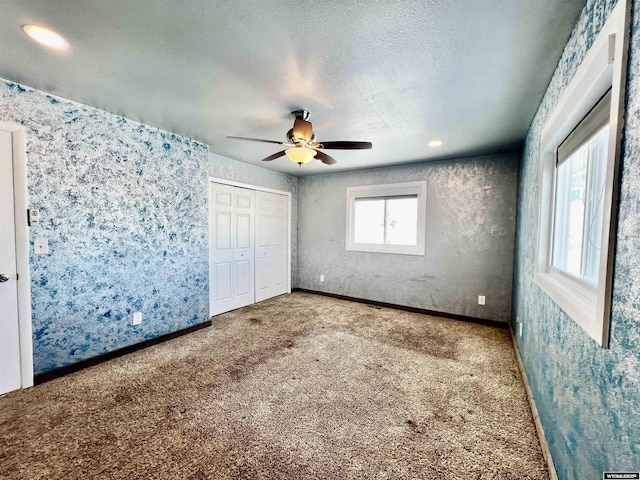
<point>302,131</point>
<point>291,138</point>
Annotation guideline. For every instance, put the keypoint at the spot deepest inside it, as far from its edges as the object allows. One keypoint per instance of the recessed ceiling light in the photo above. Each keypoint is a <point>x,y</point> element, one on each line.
<point>46,37</point>
<point>435,143</point>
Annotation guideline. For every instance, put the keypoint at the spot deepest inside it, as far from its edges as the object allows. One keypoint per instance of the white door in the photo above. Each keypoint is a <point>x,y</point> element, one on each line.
<point>271,245</point>
<point>231,263</point>
<point>9,333</point>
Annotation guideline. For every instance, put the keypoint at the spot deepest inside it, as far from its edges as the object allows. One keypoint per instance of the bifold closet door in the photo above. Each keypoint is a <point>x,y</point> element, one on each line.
<point>232,260</point>
<point>272,227</point>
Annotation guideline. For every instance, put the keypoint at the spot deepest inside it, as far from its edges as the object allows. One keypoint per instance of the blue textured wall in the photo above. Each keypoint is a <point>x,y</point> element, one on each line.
<point>588,397</point>
<point>124,207</point>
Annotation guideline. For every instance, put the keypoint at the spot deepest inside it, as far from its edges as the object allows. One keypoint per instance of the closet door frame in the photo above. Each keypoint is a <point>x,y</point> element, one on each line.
<point>268,190</point>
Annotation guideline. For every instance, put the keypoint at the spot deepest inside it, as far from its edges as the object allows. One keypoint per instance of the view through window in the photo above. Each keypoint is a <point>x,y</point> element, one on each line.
<point>580,184</point>
<point>386,220</point>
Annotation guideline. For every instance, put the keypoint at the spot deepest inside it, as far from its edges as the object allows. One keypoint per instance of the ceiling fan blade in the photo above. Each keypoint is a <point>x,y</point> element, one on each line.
<point>302,129</point>
<point>344,145</point>
<point>256,140</point>
<point>274,156</point>
<point>324,158</point>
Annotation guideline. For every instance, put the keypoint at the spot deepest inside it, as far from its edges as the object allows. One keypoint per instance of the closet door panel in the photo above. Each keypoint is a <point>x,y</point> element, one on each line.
<point>232,278</point>
<point>271,245</point>
<point>222,280</point>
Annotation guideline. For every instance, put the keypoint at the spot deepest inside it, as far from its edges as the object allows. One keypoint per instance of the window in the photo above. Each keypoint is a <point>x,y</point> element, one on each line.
<point>579,188</point>
<point>580,150</point>
<point>387,218</point>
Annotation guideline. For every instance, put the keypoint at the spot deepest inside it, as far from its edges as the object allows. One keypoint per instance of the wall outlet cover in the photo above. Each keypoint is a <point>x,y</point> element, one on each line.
<point>41,246</point>
<point>137,318</point>
<point>481,300</point>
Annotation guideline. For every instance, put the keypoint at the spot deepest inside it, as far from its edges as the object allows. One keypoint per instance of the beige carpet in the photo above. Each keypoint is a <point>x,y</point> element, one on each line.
<point>297,387</point>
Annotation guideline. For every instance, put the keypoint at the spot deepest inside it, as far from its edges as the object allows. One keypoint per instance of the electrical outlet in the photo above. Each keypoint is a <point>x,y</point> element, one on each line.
<point>137,318</point>
<point>520,329</point>
<point>41,246</point>
<point>322,278</point>
<point>481,300</point>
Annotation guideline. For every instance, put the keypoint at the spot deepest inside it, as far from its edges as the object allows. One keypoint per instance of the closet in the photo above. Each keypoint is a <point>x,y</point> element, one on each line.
<point>249,246</point>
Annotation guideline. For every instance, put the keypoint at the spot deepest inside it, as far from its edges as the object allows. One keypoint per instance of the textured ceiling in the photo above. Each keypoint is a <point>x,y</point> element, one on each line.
<point>396,73</point>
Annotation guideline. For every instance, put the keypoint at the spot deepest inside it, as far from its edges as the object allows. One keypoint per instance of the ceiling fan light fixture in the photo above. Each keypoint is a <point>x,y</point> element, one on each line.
<point>435,143</point>
<point>300,155</point>
<point>46,37</point>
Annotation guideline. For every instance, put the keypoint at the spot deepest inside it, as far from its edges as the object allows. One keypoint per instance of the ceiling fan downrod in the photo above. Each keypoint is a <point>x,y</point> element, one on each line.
<point>301,114</point>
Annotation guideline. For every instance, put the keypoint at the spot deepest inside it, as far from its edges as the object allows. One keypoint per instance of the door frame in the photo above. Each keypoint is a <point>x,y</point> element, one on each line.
<point>268,190</point>
<point>20,198</point>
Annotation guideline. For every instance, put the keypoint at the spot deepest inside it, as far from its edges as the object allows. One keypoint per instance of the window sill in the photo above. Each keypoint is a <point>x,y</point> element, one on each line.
<point>393,249</point>
<point>576,302</point>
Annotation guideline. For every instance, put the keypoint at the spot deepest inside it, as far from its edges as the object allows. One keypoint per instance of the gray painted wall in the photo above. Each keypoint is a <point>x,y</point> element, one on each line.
<point>232,170</point>
<point>470,229</point>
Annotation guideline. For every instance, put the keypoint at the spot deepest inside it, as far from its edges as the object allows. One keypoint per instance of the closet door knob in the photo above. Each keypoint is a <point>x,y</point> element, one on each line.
<point>3,278</point>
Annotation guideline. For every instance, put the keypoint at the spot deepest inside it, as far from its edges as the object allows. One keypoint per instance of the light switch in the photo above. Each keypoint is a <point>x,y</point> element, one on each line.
<point>41,246</point>
<point>33,217</point>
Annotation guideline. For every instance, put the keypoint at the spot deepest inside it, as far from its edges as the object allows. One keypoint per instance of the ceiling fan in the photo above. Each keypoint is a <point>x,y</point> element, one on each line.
<point>302,143</point>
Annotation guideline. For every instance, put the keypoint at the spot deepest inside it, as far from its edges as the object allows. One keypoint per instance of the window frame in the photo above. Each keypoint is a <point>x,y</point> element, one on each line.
<point>603,68</point>
<point>386,191</point>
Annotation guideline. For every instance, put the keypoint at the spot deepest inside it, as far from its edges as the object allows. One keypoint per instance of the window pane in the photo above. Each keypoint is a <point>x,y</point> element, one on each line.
<point>594,213</point>
<point>569,215</point>
<point>402,220</point>
<point>369,220</point>
<point>579,208</point>
<point>384,218</point>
